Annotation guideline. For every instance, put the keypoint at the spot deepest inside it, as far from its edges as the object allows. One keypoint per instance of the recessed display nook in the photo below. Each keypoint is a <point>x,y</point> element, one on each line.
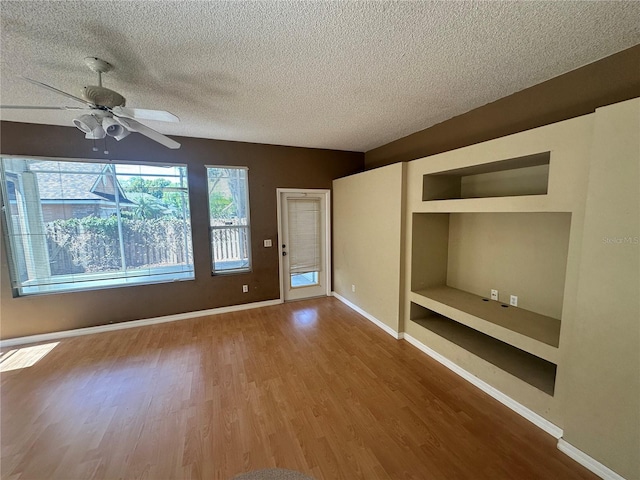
<point>457,258</point>
<point>527,175</point>
<point>533,370</point>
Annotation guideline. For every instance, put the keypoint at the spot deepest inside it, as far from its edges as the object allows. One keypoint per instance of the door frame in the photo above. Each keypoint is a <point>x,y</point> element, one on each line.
<point>327,239</point>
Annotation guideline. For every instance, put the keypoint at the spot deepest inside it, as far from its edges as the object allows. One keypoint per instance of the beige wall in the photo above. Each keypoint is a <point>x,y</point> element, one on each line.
<point>523,181</point>
<point>602,407</point>
<point>492,250</point>
<point>367,216</point>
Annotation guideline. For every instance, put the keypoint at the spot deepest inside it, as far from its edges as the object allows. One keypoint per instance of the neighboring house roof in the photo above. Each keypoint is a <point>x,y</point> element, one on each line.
<point>76,181</point>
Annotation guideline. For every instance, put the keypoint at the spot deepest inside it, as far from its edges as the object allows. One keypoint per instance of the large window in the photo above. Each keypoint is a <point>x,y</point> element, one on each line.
<point>229,219</point>
<point>79,225</point>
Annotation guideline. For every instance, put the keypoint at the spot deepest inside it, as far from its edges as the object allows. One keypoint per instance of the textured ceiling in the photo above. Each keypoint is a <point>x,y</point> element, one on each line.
<point>342,75</point>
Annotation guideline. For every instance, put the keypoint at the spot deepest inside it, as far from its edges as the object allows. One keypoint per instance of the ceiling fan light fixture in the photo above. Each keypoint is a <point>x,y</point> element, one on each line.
<point>96,134</point>
<point>122,135</point>
<point>86,123</point>
<point>107,109</point>
<point>114,128</point>
<point>124,122</point>
<point>90,125</point>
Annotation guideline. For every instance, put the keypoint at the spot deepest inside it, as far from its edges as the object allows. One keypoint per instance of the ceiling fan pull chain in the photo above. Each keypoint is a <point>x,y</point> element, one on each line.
<point>106,152</point>
<point>95,149</point>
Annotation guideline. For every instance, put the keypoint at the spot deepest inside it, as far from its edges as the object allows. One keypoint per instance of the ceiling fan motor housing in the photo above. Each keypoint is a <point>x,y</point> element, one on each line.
<point>103,97</point>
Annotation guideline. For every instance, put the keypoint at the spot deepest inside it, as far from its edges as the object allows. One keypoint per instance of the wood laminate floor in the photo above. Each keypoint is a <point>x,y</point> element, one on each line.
<point>309,386</point>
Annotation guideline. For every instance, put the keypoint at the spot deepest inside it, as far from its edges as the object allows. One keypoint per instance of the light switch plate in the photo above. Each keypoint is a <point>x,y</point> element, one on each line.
<point>267,242</point>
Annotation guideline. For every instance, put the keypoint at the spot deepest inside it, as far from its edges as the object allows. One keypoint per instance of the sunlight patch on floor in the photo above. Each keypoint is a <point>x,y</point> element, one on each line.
<point>24,357</point>
<point>306,318</point>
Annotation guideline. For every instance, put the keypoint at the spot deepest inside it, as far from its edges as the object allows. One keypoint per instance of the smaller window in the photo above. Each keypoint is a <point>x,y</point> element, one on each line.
<point>229,219</point>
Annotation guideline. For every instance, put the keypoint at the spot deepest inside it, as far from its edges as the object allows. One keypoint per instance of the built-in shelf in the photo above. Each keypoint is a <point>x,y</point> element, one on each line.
<point>528,175</point>
<point>457,256</point>
<point>539,327</point>
<point>502,215</point>
<point>528,331</point>
<point>529,368</point>
<point>520,204</point>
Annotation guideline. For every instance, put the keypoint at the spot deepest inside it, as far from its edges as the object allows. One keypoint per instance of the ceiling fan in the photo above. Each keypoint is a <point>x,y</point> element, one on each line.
<point>106,112</point>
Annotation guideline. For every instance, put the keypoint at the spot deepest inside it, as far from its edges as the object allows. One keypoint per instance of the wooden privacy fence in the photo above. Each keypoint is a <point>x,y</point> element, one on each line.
<point>77,248</point>
<point>229,243</point>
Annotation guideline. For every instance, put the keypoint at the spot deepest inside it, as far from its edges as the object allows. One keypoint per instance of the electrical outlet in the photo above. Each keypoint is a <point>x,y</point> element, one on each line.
<point>353,288</point>
<point>245,288</point>
<point>267,242</point>
<point>494,295</point>
<point>513,301</point>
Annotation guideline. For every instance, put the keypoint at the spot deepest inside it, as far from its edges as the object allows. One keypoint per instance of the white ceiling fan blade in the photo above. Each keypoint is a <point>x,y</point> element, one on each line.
<point>60,92</point>
<point>145,114</point>
<point>136,126</point>
<point>34,107</point>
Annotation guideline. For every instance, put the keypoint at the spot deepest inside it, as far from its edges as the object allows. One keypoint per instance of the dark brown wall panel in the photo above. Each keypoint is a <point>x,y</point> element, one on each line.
<point>579,92</point>
<point>270,167</point>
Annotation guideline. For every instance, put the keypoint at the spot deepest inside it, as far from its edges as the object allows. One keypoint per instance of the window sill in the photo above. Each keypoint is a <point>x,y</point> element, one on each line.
<point>99,284</point>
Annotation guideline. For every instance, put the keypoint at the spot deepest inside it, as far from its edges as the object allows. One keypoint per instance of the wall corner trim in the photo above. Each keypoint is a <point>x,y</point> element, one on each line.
<point>133,324</point>
<point>588,462</point>
<point>368,316</point>
<point>520,409</point>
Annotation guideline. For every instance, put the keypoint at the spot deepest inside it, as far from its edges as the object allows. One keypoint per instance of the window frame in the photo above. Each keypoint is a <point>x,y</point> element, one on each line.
<point>247,227</point>
<point>100,282</point>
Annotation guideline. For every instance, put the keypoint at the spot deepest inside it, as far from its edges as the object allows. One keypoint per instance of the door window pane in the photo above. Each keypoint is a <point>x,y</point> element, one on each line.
<point>304,279</point>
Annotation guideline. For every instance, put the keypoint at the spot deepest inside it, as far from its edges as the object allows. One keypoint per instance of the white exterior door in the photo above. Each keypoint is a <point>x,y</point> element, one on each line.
<point>304,243</point>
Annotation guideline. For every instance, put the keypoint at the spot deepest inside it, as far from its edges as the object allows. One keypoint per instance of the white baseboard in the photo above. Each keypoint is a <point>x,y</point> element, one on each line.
<point>44,337</point>
<point>368,316</point>
<point>586,461</point>
<point>520,409</point>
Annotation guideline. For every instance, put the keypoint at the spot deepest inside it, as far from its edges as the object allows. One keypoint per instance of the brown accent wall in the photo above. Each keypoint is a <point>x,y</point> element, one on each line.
<point>613,79</point>
<point>270,167</point>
